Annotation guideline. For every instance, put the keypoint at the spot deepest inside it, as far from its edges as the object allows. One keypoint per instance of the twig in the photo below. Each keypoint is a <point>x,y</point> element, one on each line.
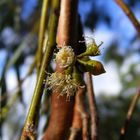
<point>84,115</point>
<point>129,114</point>
<point>85,127</point>
<point>76,123</point>
<point>17,88</point>
<point>42,28</point>
<point>130,15</point>
<point>73,134</point>
<point>81,117</point>
<point>92,106</point>
<point>5,110</point>
<point>77,118</point>
<point>19,85</point>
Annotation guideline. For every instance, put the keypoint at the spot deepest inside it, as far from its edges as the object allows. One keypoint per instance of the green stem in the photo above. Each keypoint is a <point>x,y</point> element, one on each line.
<point>42,28</point>
<point>82,62</point>
<point>34,108</point>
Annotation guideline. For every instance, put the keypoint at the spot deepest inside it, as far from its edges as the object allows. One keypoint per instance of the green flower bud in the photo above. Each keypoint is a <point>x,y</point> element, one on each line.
<point>92,66</point>
<point>92,50</point>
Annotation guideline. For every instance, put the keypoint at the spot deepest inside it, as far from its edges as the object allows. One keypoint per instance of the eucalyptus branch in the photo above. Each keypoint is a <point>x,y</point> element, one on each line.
<point>130,15</point>
<point>84,115</point>
<point>74,132</point>
<point>5,110</point>
<point>129,114</point>
<point>34,107</point>
<point>80,116</point>
<point>92,106</point>
<point>42,29</point>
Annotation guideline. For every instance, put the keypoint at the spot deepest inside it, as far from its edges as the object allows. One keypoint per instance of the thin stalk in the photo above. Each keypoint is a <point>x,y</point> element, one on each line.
<point>84,115</point>
<point>79,129</point>
<point>5,110</point>
<point>42,29</point>
<point>92,106</point>
<point>129,114</point>
<point>19,85</point>
<point>130,15</point>
<point>35,103</point>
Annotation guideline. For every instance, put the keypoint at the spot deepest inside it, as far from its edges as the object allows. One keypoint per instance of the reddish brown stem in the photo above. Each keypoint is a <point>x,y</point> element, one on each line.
<point>129,114</point>
<point>130,15</point>
<point>83,113</point>
<point>85,127</point>
<point>80,119</point>
<point>92,106</point>
<point>67,23</point>
<point>60,119</point>
<point>77,122</point>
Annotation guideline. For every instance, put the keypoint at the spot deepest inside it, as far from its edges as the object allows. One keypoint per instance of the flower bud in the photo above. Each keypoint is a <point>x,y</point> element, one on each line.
<point>92,50</point>
<point>92,66</point>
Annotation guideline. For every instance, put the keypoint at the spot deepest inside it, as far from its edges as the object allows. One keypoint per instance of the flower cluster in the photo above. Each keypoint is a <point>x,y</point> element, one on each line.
<point>66,83</point>
<point>62,83</point>
<point>65,56</point>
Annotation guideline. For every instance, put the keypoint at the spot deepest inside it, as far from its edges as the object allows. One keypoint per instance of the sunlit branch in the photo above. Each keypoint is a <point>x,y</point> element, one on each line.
<point>42,28</point>
<point>130,14</point>
<point>84,115</point>
<point>129,114</point>
<point>92,106</point>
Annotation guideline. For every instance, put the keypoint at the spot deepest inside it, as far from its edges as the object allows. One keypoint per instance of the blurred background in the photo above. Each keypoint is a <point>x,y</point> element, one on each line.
<point>103,21</point>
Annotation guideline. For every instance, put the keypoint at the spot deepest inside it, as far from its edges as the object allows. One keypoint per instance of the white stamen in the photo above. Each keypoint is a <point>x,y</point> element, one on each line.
<point>65,56</point>
<point>62,84</point>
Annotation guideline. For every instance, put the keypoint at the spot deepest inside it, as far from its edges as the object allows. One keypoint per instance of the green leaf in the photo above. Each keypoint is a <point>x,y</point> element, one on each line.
<point>92,66</point>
